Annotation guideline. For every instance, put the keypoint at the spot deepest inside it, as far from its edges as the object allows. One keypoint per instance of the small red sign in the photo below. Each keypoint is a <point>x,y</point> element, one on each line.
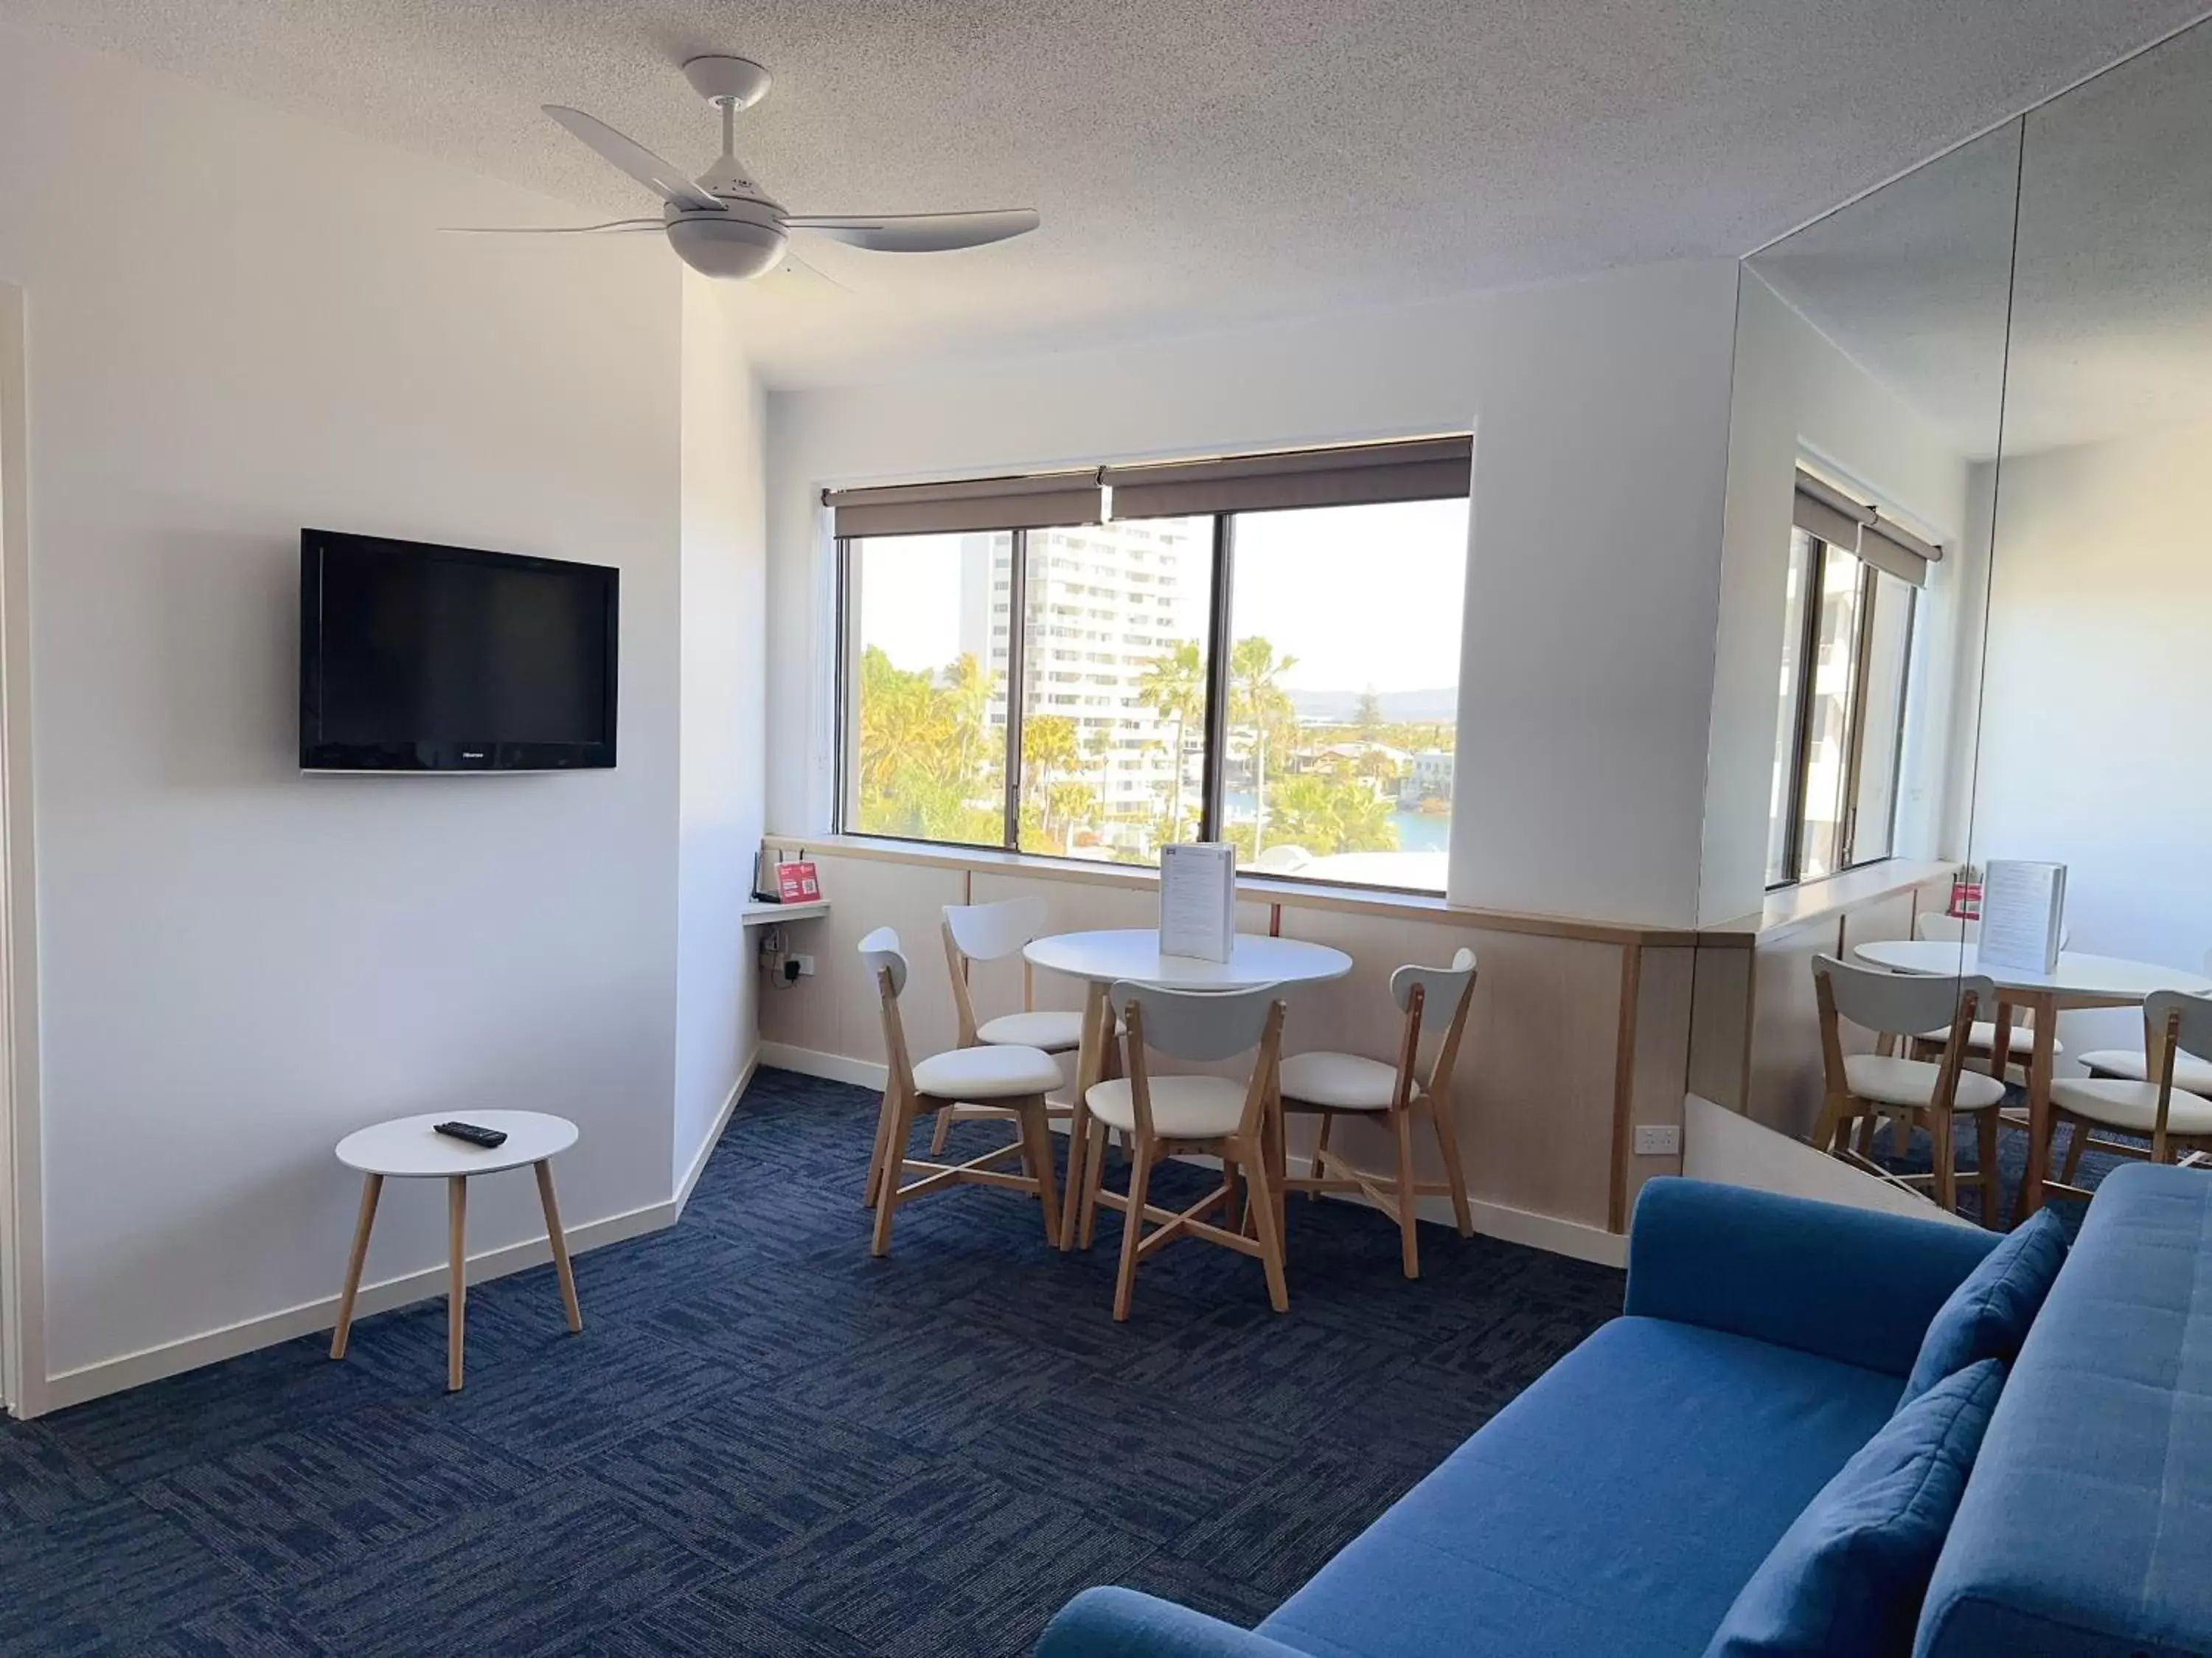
<point>795,883</point>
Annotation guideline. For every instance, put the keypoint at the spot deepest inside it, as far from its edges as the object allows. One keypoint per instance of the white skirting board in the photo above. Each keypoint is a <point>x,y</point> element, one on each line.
<point>1518,1226</point>
<point>172,1359</point>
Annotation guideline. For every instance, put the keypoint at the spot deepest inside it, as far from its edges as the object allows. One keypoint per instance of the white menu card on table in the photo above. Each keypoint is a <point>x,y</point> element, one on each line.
<point>1197,899</point>
<point>2023,913</point>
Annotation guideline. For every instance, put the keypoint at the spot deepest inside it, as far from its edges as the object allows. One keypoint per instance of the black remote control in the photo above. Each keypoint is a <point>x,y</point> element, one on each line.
<point>486,1137</point>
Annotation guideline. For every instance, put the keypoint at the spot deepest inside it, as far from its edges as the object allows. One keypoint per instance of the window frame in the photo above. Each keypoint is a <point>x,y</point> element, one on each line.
<point>1855,734</point>
<point>1213,761</point>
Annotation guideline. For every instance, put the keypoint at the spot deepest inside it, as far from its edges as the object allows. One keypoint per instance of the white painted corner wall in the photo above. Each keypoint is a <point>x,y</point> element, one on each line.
<point>240,964</point>
<point>1599,410</point>
<point>723,717</point>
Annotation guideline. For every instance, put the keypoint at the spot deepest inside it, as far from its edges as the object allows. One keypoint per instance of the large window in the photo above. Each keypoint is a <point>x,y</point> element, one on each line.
<point>1846,655</point>
<point>1283,677</point>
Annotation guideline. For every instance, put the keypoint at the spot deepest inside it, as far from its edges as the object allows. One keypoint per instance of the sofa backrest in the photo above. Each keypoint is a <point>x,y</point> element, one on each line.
<point>2086,1526</point>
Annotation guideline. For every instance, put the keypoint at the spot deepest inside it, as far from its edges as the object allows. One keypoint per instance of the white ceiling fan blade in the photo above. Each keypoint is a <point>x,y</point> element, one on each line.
<point>633,158</point>
<point>796,279</point>
<point>554,230</point>
<point>920,233</point>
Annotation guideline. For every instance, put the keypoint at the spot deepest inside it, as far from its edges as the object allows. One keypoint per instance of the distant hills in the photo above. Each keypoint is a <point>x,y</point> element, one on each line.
<point>1438,707</point>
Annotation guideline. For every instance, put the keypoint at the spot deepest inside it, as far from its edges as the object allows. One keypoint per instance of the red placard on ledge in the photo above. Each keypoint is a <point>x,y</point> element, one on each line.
<point>795,883</point>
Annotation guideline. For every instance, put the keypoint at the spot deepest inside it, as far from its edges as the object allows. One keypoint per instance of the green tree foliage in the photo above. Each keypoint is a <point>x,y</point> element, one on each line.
<point>1052,747</point>
<point>1174,687</point>
<point>1260,711</point>
<point>928,764</point>
<point>1325,814</point>
<point>1369,721</point>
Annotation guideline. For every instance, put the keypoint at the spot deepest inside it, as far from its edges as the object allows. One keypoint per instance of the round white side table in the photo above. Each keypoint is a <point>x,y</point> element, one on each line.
<point>407,1148</point>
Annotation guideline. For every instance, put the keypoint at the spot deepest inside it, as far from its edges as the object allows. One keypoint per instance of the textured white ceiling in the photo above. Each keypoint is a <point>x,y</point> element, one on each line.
<point>1197,162</point>
<point>2111,315</point>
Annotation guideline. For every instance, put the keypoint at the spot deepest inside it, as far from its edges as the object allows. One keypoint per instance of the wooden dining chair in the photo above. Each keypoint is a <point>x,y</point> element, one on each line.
<point>1164,1116</point>
<point>1016,1078</point>
<point>991,932</point>
<point>1908,1093</point>
<point>1333,1085</point>
<point>1982,1038</point>
<point>2175,1120</point>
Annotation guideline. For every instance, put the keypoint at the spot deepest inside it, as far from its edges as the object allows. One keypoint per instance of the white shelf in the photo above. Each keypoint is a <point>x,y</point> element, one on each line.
<point>768,915</point>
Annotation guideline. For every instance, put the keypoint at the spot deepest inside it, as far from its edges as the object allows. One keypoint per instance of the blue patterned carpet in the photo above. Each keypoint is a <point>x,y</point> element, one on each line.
<point>766,1442</point>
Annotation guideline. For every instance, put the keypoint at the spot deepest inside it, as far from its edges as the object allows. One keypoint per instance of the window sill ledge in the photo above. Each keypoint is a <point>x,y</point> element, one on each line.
<point>1250,889</point>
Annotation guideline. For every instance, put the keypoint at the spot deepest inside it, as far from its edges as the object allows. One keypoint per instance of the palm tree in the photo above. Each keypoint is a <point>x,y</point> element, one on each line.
<point>1174,687</point>
<point>1258,701</point>
<point>1049,746</point>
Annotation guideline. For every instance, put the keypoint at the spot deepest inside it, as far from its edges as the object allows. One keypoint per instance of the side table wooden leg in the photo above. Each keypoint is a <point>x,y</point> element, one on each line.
<point>457,1287</point>
<point>559,1241</point>
<point>371,1187</point>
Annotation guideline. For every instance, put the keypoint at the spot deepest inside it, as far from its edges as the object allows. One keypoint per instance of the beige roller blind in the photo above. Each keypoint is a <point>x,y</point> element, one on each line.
<point>1426,469</point>
<point>1899,551</point>
<point>1828,514</point>
<point>975,503</point>
<point>1824,510</point>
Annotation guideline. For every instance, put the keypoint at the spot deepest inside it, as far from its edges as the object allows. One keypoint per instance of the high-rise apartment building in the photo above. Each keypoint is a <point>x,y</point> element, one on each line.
<point>1103,602</point>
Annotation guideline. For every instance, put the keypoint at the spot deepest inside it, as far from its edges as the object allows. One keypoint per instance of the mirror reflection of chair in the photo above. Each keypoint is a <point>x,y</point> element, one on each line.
<point>2175,1118</point>
<point>991,932</point>
<point>1165,1116</point>
<point>1013,1078</point>
<point>1331,1085</point>
<point>2128,1065</point>
<point>1864,1088</point>
<point>1982,1039</point>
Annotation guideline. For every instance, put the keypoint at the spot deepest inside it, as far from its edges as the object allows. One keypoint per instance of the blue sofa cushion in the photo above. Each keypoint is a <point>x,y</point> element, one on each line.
<point>1987,1316</point>
<point>1848,1577</point>
<point>1853,1284</point>
<point>1616,1506</point>
<point>2086,1529</point>
<point>1126,1623</point>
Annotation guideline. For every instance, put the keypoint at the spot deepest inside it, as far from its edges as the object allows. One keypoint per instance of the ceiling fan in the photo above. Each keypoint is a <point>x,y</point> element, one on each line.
<point>724,224</point>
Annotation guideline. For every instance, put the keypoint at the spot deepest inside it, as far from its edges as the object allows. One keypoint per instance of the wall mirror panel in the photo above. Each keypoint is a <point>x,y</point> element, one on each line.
<point>2007,357</point>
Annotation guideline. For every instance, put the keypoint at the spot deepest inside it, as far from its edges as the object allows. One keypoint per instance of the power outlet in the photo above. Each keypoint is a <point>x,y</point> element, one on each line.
<point>805,965</point>
<point>1657,1140</point>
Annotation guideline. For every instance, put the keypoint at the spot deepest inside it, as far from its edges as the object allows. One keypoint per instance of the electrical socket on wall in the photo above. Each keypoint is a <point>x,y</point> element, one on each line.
<point>1657,1140</point>
<point>806,964</point>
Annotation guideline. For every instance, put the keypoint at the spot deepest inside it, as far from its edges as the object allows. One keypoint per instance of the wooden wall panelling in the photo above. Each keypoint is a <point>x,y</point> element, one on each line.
<point>1536,1083</point>
<point>1658,1069</point>
<point>1720,1025</point>
<point>1882,918</point>
<point>837,1011</point>
<point>1785,1032</point>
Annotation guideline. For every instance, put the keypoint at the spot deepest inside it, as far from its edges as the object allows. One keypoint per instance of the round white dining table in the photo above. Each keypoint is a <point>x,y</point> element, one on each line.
<point>1133,955</point>
<point>2080,980</point>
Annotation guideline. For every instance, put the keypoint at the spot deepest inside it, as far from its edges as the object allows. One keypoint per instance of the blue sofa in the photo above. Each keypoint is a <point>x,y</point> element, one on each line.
<point>1619,1504</point>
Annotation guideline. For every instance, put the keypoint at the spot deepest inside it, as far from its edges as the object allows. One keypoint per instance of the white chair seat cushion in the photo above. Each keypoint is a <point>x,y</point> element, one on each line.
<point>1982,1038</point>
<point>2189,1071</point>
<point>1183,1107</point>
<point>2131,1107</point>
<point>1046,1028</point>
<point>1891,1082</point>
<point>981,1074</point>
<point>1342,1082</point>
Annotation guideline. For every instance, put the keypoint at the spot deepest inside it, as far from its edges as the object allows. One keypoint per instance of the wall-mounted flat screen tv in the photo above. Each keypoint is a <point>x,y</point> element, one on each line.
<point>420,658</point>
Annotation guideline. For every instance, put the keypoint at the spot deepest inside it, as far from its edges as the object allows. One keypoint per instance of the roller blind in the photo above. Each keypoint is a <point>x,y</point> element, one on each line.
<point>1426,469</point>
<point>975,503</point>
<point>1824,512</point>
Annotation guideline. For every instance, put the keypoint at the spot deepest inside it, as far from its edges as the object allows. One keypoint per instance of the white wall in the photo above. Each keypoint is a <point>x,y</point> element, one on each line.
<point>1586,685</point>
<point>2097,681</point>
<point>241,324</point>
<point>1798,396</point>
<point>724,723</point>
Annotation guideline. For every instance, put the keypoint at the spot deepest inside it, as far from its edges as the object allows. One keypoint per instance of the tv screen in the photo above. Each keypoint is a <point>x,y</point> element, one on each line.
<point>418,658</point>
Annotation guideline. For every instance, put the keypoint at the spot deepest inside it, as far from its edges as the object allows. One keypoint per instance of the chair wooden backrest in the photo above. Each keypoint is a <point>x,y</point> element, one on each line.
<point>1897,1004</point>
<point>1418,989</point>
<point>989,932</point>
<point>887,963</point>
<point>1200,1024</point>
<point>2173,1022</point>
